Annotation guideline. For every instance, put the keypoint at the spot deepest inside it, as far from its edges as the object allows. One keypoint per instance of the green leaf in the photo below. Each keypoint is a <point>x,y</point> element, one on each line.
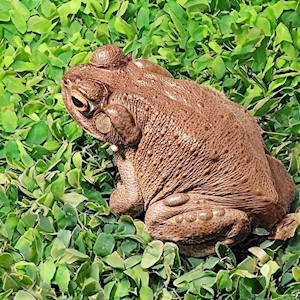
<point>58,186</point>
<point>9,119</point>
<point>264,24</point>
<point>123,27</point>
<point>268,269</point>
<point>74,178</point>
<point>143,18</point>
<point>296,273</point>
<point>247,264</point>
<point>19,15</point>
<point>45,225</point>
<point>22,295</point>
<point>12,150</point>
<point>72,255</point>
<point>67,8</point>
<point>282,34</point>
<point>58,248</point>
<point>21,8</point>
<point>25,157</point>
<point>114,260</point>
<point>77,160</point>
<point>4,16</point>
<point>152,254</point>
<point>224,281</point>
<point>37,134</point>
<point>47,270</point>
<point>226,22</point>
<point>214,46</point>
<point>90,287</point>
<point>196,274</point>
<point>62,278</point>
<point>74,199</point>
<point>104,244</point>
<point>18,21</point>
<point>218,67</point>
<point>146,293</point>
<point>6,260</point>
<point>260,254</point>
<point>39,25</point>
<point>72,131</point>
<point>14,85</point>
<point>51,145</point>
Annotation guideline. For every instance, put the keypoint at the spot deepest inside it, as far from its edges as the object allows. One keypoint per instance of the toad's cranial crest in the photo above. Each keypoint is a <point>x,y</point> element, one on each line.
<point>190,159</point>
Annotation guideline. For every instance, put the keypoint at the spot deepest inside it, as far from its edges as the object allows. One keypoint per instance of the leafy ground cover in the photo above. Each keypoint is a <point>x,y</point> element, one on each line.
<point>58,239</point>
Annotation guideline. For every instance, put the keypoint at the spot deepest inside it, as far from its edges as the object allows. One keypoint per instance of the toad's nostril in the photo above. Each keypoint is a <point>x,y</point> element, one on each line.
<point>77,102</point>
<point>66,81</point>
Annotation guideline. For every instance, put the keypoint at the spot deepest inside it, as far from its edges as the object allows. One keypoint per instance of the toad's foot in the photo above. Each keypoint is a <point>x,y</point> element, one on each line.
<point>287,227</point>
<point>195,229</point>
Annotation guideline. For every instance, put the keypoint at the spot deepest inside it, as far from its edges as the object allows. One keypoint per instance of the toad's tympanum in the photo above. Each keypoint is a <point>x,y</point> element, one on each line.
<point>190,159</point>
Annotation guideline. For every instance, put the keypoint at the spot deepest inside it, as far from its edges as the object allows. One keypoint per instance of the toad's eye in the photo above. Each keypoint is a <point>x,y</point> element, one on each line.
<point>80,103</point>
<point>77,102</point>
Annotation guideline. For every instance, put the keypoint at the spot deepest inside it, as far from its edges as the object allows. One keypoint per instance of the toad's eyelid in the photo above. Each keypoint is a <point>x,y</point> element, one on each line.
<point>80,98</point>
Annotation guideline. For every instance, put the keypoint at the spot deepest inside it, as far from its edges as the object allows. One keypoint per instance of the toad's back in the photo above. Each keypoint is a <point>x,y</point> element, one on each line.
<point>196,140</point>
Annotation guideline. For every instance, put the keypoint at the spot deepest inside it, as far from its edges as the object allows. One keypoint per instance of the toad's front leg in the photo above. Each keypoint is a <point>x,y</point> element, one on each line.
<point>127,198</point>
<point>124,123</point>
<point>195,227</point>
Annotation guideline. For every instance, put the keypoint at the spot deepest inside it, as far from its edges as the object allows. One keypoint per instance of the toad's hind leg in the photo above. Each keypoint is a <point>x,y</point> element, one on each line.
<point>286,191</point>
<point>196,229</point>
<point>284,186</point>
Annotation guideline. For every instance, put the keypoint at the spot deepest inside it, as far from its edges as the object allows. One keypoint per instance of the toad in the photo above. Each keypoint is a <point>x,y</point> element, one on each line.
<point>190,159</point>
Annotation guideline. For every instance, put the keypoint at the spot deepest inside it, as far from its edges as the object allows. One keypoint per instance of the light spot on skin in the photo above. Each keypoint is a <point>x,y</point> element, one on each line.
<point>179,219</point>
<point>205,215</point>
<point>219,212</point>
<point>176,200</point>
<point>244,179</point>
<point>191,217</point>
<point>114,148</point>
<point>206,171</point>
<point>164,176</point>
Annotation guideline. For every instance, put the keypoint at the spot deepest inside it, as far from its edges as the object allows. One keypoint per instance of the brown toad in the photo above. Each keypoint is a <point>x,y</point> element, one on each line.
<point>189,158</point>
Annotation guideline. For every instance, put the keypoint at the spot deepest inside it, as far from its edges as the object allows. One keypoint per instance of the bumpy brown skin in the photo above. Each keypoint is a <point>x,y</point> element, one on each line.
<point>188,157</point>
